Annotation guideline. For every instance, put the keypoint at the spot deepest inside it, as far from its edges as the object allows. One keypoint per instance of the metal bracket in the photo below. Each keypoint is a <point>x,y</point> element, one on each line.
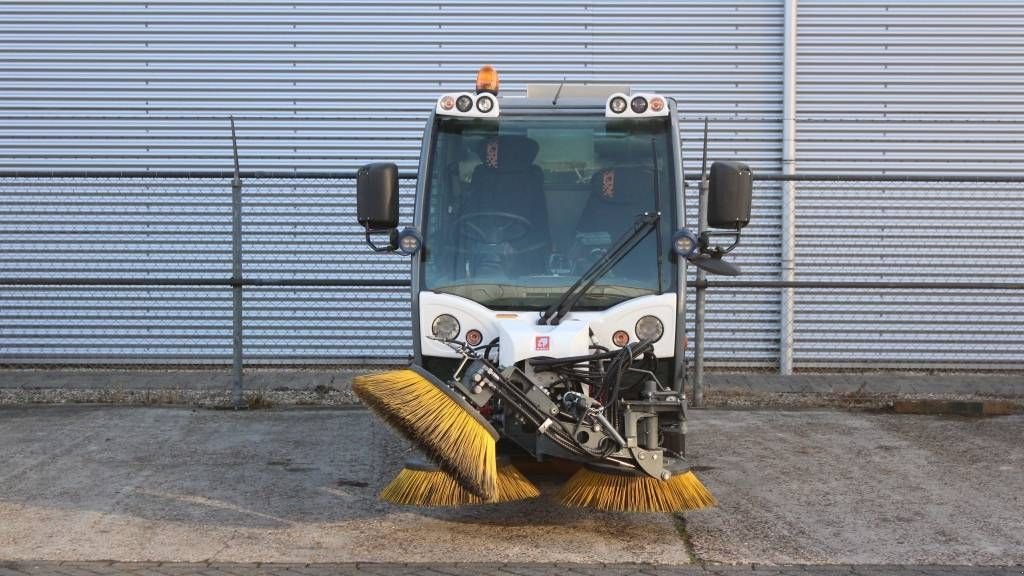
<point>651,462</point>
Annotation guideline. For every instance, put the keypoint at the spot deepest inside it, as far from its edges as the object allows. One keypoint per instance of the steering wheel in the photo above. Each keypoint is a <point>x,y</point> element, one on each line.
<point>493,227</point>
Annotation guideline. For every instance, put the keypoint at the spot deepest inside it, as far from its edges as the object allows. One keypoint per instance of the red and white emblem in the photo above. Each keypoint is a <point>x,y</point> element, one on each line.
<point>542,343</point>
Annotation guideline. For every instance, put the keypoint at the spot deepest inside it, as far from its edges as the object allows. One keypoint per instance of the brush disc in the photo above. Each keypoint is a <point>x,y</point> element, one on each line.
<point>512,485</point>
<point>431,416</point>
<point>621,491</point>
<point>421,484</point>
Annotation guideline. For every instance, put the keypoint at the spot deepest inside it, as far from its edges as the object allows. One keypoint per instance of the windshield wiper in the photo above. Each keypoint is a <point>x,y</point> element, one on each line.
<point>642,226</point>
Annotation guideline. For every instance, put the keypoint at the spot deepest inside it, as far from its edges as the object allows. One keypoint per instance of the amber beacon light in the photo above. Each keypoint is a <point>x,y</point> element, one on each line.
<point>487,80</point>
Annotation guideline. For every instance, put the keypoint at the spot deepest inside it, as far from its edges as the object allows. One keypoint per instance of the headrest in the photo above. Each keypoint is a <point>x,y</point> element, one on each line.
<point>623,184</point>
<point>508,152</point>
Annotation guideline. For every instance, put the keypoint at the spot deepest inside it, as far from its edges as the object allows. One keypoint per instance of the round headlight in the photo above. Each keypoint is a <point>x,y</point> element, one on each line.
<point>409,241</point>
<point>409,244</point>
<point>445,327</point>
<point>618,105</point>
<point>485,104</point>
<point>638,105</point>
<point>649,328</point>
<point>684,242</point>
<point>447,103</point>
<point>464,103</point>
<point>657,104</point>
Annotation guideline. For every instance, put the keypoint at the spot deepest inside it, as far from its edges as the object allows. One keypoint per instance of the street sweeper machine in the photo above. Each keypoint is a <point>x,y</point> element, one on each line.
<point>549,274</point>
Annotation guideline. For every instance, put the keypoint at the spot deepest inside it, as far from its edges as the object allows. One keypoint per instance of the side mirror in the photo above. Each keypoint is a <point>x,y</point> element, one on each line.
<point>731,184</point>
<point>377,196</point>
<point>729,190</point>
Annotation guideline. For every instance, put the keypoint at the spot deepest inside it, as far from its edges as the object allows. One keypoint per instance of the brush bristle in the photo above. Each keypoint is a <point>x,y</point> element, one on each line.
<point>512,485</point>
<point>635,493</point>
<point>435,423</point>
<point>437,488</point>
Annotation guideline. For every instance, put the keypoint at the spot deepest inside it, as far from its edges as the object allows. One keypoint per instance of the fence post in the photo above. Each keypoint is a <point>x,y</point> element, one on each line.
<point>236,276</point>
<point>699,296</point>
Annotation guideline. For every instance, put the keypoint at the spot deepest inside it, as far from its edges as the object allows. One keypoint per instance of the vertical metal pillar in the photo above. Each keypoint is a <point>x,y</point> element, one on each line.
<point>236,276</point>
<point>699,297</point>
<point>679,365</point>
<point>788,264</point>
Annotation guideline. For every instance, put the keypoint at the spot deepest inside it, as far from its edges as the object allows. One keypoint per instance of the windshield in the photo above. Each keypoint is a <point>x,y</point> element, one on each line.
<point>518,209</point>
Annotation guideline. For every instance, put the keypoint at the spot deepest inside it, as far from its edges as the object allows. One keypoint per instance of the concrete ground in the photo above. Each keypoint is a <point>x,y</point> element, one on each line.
<point>483,568</point>
<point>299,485</point>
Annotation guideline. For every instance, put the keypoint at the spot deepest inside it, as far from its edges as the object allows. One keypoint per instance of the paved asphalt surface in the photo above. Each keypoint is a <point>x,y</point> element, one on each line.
<point>373,569</point>
<point>818,488</point>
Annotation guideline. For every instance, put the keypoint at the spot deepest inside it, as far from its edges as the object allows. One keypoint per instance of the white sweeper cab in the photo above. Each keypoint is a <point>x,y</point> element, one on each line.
<point>549,271</point>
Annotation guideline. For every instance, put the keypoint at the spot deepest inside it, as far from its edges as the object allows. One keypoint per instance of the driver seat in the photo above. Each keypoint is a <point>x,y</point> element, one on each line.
<point>508,181</point>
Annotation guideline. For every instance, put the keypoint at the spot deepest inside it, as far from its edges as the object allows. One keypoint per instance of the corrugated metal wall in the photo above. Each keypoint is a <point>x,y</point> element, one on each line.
<point>900,86</point>
<point>335,84</point>
<point>316,85</point>
<point>910,87</point>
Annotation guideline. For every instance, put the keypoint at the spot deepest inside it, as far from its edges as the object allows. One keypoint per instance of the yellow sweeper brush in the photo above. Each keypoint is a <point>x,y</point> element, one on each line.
<point>442,425</point>
<point>423,484</point>
<point>622,491</point>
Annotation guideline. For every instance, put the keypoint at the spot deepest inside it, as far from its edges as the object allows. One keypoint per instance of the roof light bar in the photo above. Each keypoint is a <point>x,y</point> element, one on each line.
<point>620,105</point>
<point>467,105</point>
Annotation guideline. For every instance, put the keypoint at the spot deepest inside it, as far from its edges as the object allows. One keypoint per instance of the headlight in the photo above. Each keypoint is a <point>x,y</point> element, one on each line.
<point>409,241</point>
<point>445,327</point>
<point>618,104</point>
<point>464,103</point>
<point>649,328</point>
<point>684,242</point>
<point>485,104</point>
<point>638,105</point>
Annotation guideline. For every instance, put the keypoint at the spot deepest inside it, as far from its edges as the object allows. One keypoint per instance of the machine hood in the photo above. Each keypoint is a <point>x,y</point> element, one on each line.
<point>521,337</point>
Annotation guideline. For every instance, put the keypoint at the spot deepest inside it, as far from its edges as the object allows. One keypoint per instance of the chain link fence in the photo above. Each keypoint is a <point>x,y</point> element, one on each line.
<point>890,272</point>
<point>136,268</point>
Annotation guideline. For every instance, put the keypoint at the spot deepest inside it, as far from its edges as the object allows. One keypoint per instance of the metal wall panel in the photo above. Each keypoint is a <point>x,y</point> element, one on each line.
<point>898,86</point>
<point>334,84</point>
<point>324,86</point>
<point>910,87</point>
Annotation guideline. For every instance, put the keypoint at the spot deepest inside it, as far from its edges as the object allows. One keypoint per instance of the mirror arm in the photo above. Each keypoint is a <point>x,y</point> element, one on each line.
<point>718,251</point>
<point>392,240</point>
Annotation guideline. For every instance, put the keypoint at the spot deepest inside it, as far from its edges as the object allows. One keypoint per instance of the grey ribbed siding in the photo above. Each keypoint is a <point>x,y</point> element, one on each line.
<point>318,86</point>
<point>898,86</point>
<point>332,85</point>
<point>910,87</point>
